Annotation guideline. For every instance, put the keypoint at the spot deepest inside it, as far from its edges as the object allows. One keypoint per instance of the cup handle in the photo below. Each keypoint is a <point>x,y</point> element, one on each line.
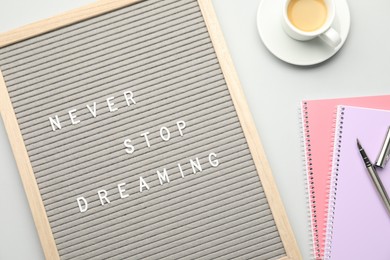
<point>331,37</point>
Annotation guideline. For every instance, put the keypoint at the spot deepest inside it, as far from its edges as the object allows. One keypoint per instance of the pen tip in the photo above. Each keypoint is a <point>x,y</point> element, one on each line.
<point>358,143</point>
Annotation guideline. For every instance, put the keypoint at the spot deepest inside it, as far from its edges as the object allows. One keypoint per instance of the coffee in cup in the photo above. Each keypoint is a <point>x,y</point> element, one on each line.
<point>304,20</point>
<point>307,15</point>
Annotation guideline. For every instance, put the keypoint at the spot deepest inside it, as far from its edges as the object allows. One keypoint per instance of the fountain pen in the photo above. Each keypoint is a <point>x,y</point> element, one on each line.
<point>374,176</point>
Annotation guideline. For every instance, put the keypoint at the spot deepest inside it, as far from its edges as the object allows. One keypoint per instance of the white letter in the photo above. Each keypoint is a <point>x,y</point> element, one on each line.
<point>103,195</point>
<point>130,147</point>
<point>167,131</point>
<point>55,123</point>
<point>111,104</point>
<point>82,209</point>
<point>214,163</point>
<point>129,98</point>
<point>146,138</point>
<point>142,184</point>
<point>163,177</point>
<point>181,170</point>
<point>195,165</point>
<point>121,191</point>
<point>73,117</point>
<point>93,112</point>
<point>181,125</point>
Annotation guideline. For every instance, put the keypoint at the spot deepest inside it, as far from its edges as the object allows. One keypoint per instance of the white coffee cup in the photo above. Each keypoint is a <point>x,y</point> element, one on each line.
<point>325,32</point>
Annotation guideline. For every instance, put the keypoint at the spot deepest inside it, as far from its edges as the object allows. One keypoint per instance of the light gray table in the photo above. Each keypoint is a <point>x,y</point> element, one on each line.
<point>273,90</point>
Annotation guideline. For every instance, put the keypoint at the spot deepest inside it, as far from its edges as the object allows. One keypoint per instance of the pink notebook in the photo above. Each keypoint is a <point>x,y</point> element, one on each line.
<point>318,126</point>
<point>359,223</point>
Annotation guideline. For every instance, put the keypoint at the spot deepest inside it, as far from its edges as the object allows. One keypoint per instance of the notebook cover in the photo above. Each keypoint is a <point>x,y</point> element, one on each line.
<point>359,223</point>
<point>318,126</point>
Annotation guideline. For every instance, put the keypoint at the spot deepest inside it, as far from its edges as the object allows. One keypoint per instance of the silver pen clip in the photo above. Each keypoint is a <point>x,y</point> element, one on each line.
<point>384,154</point>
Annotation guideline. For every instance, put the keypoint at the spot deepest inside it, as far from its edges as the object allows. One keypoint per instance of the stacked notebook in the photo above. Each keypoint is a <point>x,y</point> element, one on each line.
<point>334,206</point>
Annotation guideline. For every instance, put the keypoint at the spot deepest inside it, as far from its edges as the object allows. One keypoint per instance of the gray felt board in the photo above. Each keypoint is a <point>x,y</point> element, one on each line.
<point>161,52</point>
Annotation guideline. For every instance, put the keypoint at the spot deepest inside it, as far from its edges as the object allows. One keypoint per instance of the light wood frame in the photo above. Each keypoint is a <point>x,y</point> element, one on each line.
<point>244,115</point>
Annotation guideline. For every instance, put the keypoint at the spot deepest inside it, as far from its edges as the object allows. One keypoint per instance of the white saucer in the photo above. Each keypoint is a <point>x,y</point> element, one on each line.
<point>269,24</point>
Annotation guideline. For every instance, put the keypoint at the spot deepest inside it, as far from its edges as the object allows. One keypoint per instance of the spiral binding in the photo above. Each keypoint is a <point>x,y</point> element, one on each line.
<point>333,182</point>
<point>309,184</point>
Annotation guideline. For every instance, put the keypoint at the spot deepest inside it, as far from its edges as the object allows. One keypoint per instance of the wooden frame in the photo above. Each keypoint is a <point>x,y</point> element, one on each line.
<point>244,115</point>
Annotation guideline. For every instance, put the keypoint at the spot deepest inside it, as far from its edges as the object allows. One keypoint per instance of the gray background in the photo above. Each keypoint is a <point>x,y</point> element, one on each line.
<point>273,90</point>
